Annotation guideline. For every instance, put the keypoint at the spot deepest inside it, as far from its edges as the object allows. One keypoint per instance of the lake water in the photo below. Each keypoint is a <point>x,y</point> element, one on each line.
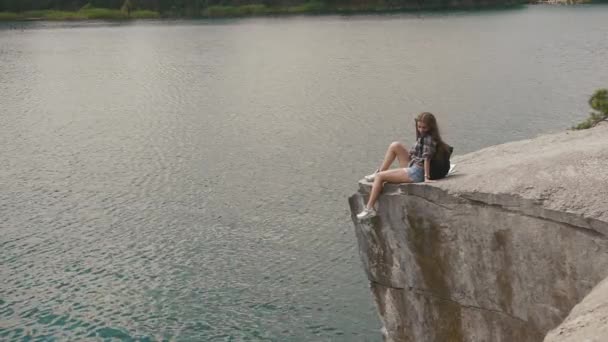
<point>188,180</point>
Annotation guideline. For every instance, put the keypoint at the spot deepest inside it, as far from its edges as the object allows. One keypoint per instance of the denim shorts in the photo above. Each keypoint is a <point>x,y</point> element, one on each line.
<point>416,173</point>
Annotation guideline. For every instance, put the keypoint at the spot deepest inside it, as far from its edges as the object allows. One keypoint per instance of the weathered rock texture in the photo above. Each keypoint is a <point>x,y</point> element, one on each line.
<point>588,321</point>
<point>501,251</point>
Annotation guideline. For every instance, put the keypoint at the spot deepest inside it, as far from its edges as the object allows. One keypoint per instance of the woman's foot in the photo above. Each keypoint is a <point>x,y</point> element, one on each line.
<point>366,213</point>
<point>370,178</point>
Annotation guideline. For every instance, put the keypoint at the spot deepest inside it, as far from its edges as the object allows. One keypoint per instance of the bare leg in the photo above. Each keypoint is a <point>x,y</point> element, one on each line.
<point>391,176</point>
<point>395,150</point>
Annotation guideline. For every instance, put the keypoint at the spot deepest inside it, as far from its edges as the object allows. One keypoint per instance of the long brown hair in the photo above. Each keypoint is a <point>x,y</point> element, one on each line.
<point>430,122</point>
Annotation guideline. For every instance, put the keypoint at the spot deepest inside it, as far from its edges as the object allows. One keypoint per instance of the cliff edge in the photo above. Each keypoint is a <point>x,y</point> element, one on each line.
<point>500,251</point>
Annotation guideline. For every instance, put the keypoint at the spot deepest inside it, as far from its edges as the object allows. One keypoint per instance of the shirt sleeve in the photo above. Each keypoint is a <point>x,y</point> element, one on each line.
<point>413,149</point>
<point>429,148</point>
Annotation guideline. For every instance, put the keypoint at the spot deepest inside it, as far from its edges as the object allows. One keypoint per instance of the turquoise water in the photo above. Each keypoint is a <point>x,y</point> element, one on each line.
<point>187,180</point>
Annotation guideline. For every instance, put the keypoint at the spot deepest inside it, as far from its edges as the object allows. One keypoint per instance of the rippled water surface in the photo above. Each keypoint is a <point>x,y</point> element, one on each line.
<point>188,180</point>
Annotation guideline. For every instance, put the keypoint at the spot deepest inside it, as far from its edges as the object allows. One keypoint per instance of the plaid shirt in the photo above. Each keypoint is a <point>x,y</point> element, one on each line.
<point>425,148</point>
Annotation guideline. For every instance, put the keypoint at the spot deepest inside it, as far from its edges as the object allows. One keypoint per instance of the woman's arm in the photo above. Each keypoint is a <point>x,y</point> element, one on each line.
<point>427,170</point>
<point>427,153</point>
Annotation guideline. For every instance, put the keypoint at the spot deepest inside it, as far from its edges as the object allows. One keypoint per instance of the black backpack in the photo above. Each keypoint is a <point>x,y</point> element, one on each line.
<point>440,164</point>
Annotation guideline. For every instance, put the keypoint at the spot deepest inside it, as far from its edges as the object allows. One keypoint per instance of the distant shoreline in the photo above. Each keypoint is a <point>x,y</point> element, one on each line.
<point>87,14</point>
<point>233,12</point>
<point>257,10</point>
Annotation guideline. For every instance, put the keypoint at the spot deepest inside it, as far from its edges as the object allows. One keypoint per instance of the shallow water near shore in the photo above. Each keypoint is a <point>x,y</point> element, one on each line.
<point>188,180</point>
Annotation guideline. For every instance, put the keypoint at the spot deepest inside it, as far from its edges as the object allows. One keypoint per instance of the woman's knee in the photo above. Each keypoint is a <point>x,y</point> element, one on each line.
<point>382,175</point>
<point>396,145</point>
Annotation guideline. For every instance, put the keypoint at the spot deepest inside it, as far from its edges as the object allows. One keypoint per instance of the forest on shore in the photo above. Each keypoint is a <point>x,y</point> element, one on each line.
<point>138,9</point>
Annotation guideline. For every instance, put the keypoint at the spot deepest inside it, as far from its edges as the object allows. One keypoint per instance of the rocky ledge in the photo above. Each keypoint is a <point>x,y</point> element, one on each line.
<point>500,251</point>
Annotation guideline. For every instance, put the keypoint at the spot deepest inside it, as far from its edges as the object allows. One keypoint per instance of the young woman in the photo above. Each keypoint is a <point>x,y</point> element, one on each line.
<point>414,166</point>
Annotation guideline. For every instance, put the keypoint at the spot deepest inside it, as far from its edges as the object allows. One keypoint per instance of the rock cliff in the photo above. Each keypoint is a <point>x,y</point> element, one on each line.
<point>500,251</point>
<point>588,321</point>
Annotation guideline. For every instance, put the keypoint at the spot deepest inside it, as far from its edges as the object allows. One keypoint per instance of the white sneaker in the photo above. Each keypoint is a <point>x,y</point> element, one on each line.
<point>370,178</point>
<point>452,169</point>
<point>366,213</point>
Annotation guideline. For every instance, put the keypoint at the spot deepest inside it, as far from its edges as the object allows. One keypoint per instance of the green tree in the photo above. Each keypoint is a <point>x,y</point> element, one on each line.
<point>599,102</point>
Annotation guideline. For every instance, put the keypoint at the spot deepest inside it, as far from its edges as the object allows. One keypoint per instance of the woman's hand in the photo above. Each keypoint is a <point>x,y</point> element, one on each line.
<point>428,180</point>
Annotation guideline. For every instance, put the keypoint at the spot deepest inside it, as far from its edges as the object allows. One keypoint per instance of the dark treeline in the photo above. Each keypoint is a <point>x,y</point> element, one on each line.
<point>196,7</point>
<point>163,6</point>
<point>74,5</point>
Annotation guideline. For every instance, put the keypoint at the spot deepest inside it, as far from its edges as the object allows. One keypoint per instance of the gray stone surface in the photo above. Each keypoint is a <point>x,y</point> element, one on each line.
<point>501,251</point>
<point>562,173</point>
<point>588,321</point>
